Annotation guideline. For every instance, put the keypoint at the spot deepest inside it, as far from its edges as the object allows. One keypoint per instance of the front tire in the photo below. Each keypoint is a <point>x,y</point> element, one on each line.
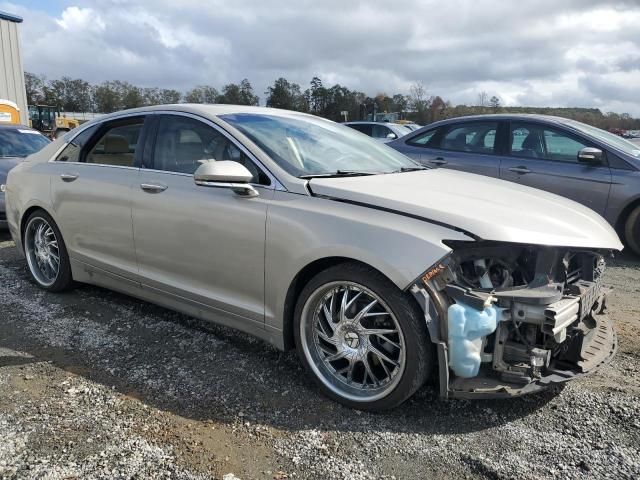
<point>46,253</point>
<point>632,230</point>
<point>363,340</point>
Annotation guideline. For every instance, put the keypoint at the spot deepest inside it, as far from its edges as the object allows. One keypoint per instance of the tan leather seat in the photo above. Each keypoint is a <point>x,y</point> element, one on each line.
<point>116,152</point>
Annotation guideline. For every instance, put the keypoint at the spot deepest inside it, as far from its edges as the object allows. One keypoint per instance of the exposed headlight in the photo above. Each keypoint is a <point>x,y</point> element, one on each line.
<point>3,187</point>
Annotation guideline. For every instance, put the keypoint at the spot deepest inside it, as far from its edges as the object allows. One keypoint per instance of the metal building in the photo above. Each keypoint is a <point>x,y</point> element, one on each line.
<point>11,69</point>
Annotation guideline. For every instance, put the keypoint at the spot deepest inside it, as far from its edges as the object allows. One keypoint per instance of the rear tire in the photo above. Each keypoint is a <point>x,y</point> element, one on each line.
<point>362,339</point>
<point>632,230</point>
<point>46,253</point>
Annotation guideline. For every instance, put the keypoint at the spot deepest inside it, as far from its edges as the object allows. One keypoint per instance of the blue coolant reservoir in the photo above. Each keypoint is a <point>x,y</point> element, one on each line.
<point>467,326</point>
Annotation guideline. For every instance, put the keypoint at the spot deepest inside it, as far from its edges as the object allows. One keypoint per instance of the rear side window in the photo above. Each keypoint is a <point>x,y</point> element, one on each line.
<point>117,146</point>
<point>381,131</point>
<point>476,137</point>
<point>71,152</point>
<point>362,127</point>
<point>424,139</point>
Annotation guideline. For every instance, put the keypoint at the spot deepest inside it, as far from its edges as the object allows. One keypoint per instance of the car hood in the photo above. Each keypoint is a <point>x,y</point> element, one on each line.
<point>486,207</point>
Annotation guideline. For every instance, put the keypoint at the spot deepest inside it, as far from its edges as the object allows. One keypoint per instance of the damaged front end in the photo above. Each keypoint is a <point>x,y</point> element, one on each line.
<point>510,319</point>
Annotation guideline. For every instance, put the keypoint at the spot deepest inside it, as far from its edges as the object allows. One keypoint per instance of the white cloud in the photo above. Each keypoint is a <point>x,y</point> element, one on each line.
<point>74,19</point>
<point>535,52</point>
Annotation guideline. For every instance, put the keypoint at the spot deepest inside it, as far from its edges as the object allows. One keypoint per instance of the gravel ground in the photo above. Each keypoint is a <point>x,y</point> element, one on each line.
<point>94,384</point>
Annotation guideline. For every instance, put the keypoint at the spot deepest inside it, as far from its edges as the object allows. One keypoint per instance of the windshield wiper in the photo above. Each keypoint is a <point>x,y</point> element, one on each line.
<point>412,169</point>
<point>338,173</point>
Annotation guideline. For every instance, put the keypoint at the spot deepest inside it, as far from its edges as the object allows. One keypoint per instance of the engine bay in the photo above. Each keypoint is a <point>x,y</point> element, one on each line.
<point>510,318</point>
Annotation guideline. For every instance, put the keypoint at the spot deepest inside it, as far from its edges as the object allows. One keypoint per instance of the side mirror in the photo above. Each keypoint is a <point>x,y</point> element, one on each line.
<point>391,136</point>
<point>225,174</point>
<point>590,155</point>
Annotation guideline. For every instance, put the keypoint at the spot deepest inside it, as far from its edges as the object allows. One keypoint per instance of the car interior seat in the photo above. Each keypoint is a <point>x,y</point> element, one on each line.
<point>532,146</point>
<point>116,152</point>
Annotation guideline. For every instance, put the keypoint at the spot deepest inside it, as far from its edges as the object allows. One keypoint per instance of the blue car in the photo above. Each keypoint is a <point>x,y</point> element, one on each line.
<point>562,156</point>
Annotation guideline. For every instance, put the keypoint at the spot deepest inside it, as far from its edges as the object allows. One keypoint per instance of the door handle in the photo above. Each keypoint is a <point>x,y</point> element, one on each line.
<point>153,187</point>
<point>438,161</point>
<point>69,177</point>
<point>521,170</point>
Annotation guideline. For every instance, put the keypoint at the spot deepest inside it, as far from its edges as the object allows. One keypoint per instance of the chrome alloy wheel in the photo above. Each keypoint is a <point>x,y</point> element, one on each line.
<point>353,341</point>
<point>42,251</point>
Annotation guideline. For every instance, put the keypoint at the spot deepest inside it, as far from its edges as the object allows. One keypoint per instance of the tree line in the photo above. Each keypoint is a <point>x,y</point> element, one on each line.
<point>332,102</point>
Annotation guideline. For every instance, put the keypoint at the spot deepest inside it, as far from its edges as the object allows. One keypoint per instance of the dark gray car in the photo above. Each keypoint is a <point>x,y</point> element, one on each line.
<point>16,142</point>
<point>562,156</point>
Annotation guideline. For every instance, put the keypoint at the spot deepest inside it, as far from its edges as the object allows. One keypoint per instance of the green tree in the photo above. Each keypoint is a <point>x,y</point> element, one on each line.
<point>34,86</point>
<point>494,103</point>
<point>106,97</point>
<point>169,96</point>
<point>247,95</point>
<point>287,95</point>
<point>202,94</point>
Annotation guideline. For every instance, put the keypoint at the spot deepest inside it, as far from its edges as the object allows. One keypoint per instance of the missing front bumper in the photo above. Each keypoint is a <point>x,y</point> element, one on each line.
<point>597,350</point>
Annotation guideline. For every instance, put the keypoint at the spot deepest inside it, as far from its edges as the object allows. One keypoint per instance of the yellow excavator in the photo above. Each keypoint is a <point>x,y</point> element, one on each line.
<point>48,120</point>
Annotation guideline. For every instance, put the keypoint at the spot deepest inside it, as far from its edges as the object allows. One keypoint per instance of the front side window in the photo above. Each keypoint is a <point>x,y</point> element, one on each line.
<point>538,141</point>
<point>304,145</point>
<point>117,146</point>
<point>182,144</point>
<point>475,137</point>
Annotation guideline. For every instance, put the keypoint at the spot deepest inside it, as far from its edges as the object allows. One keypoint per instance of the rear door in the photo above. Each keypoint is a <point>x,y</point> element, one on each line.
<point>546,157</point>
<point>467,146</point>
<point>91,194</point>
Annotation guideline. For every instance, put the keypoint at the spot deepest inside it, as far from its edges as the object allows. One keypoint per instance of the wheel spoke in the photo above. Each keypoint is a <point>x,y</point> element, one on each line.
<point>397,345</point>
<point>379,331</point>
<point>356,296</point>
<point>364,311</point>
<point>336,356</point>
<point>369,372</point>
<point>382,356</point>
<point>343,306</point>
<point>326,338</point>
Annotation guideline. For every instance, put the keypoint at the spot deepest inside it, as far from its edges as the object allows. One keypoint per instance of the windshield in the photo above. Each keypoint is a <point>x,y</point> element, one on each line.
<point>305,146</point>
<point>614,140</point>
<point>20,142</point>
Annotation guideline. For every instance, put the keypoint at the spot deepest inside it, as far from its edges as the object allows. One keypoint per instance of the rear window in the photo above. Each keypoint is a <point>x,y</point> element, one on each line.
<point>20,142</point>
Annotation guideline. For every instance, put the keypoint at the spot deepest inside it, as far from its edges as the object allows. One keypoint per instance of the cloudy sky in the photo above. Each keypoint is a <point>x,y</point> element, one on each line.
<point>530,52</point>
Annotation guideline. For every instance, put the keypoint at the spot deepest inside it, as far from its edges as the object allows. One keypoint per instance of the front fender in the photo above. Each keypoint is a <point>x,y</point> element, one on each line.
<point>303,229</point>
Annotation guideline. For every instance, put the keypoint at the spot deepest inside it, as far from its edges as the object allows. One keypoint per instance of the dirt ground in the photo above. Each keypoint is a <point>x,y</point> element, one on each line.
<point>94,384</point>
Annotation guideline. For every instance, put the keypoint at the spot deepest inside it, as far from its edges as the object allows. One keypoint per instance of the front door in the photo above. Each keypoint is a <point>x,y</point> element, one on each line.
<point>200,244</point>
<point>546,157</point>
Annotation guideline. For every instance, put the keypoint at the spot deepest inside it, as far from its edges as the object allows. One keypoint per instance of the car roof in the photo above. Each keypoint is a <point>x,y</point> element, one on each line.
<point>505,116</point>
<point>208,109</point>
<point>369,122</point>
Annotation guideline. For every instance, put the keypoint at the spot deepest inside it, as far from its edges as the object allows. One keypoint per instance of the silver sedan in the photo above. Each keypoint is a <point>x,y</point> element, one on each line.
<point>309,235</point>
